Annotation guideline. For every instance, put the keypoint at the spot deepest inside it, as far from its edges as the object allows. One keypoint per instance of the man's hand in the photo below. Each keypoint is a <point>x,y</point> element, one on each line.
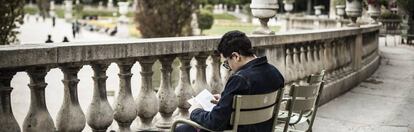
<point>195,106</point>
<point>216,98</point>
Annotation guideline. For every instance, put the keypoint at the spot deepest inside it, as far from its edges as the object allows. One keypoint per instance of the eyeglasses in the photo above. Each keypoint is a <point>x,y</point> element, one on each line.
<point>226,64</point>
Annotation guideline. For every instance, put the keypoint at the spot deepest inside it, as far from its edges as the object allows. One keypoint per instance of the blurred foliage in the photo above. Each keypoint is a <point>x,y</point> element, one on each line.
<point>389,15</point>
<point>205,19</point>
<point>407,6</point>
<point>340,2</point>
<point>12,17</point>
<point>165,18</point>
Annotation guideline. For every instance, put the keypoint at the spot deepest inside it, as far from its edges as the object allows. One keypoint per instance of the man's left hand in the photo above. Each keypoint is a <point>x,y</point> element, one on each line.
<point>195,106</point>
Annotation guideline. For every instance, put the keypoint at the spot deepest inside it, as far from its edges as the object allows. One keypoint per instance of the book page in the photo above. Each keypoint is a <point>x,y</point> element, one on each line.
<point>204,99</point>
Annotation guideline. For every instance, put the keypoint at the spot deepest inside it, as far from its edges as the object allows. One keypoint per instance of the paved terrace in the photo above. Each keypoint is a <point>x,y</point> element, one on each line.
<point>382,103</point>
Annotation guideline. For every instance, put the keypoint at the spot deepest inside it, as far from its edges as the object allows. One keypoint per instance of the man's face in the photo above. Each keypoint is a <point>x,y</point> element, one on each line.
<point>232,62</point>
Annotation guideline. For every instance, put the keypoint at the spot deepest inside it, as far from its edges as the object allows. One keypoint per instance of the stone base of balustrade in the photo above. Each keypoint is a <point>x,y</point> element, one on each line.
<point>341,85</point>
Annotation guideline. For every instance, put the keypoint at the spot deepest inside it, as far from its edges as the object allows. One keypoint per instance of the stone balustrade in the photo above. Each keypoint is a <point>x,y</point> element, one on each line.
<point>348,54</point>
<point>303,23</point>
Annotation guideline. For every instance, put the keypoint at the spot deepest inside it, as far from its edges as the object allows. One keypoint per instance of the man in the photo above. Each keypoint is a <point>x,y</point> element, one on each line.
<point>252,75</point>
<point>49,39</point>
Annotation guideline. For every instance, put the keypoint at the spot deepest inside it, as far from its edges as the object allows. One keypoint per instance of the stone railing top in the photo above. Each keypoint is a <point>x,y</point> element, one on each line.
<point>15,56</point>
<point>319,19</point>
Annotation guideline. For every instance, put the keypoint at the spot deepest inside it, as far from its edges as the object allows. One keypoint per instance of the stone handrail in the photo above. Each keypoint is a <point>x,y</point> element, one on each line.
<point>302,23</point>
<point>348,54</point>
<point>390,26</point>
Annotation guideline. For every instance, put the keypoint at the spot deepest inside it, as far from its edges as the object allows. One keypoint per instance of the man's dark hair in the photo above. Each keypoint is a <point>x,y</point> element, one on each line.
<point>235,41</point>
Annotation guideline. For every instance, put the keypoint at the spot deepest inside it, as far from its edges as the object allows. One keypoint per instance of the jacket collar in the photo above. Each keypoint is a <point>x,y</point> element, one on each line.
<point>254,63</point>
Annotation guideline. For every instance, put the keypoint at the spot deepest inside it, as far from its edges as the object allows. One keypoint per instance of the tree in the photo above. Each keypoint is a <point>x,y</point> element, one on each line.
<point>164,18</point>
<point>407,6</point>
<point>11,18</point>
<point>205,20</point>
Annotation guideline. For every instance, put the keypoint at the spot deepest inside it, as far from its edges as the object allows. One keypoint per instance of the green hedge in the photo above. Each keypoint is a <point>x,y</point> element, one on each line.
<point>32,10</point>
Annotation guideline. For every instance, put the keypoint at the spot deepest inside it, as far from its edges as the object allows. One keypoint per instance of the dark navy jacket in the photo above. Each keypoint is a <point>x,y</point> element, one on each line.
<point>255,77</point>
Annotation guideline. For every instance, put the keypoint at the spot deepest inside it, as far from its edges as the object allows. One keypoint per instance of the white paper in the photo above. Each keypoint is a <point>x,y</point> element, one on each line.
<point>204,99</point>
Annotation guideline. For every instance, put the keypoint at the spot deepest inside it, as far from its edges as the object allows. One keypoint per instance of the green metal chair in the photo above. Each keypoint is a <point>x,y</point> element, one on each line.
<point>302,104</point>
<point>248,110</point>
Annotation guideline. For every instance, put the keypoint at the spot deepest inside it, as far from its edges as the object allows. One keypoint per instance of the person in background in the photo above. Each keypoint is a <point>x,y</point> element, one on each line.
<point>65,39</point>
<point>49,39</point>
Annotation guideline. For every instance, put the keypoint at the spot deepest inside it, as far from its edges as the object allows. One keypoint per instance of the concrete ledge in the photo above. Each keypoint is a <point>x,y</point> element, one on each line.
<point>346,83</point>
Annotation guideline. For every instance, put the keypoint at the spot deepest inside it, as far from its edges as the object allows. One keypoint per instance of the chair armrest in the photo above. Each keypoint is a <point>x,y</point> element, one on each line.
<point>189,122</point>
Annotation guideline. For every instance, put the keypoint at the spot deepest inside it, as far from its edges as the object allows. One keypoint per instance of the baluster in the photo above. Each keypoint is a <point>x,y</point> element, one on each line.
<point>201,82</point>
<point>310,59</point>
<point>297,70</point>
<point>317,63</point>
<point>184,91</point>
<point>321,56</point>
<point>7,119</point>
<point>215,81</point>
<point>290,66</point>
<point>70,117</point>
<point>342,58</point>
<point>38,118</point>
<point>303,62</point>
<point>147,101</point>
<point>334,59</point>
<point>327,59</point>
<point>125,110</point>
<point>167,98</point>
<point>100,113</point>
<point>348,59</point>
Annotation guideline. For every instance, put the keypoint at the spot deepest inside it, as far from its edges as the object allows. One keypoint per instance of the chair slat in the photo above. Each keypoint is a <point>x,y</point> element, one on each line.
<point>316,78</point>
<point>257,101</point>
<point>306,90</point>
<point>254,116</point>
<point>303,104</point>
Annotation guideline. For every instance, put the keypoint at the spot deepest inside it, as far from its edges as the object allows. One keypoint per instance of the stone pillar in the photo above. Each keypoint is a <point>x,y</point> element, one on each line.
<point>215,81</point>
<point>110,5</point>
<point>357,52</point>
<point>167,98</point>
<point>332,9</point>
<point>125,109</point>
<point>7,119</point>
<point>201,82</point>
<point>38,118</point>
<point>309,7</point>
<point>147,101</point>
<point>70,117</point>
<point>184,91</point>
<point>100,113</point>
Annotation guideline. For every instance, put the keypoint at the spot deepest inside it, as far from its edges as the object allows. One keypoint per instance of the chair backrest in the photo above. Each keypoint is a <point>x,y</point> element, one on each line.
<point>253,109</point>
<point>303,97</point>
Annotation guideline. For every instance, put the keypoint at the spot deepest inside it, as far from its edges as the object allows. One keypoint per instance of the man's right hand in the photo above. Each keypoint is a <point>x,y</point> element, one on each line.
<point>216,98</point>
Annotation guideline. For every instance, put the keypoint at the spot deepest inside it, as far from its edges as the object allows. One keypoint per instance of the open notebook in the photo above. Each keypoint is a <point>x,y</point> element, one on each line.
<point>204,99</point>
